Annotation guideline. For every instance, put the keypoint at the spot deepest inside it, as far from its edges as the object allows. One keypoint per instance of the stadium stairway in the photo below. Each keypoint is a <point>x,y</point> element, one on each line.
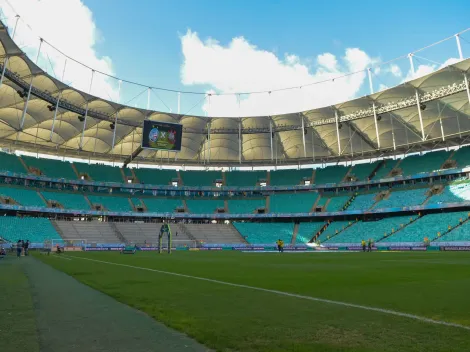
<point>351,223</point>
<point>23,163</point>
<point>118,233</point>
<point>325,227</point>
<point>57,228</point>
<point>380,164</point>
<point>400,229</point>
<point>74,169</point>
<point>183,229</point>
<point>88,201</point>
<point>319,232</point>
<point>131,204</point>
<point>451,229</point>
<point>347,174</point>
<point>42,197</point>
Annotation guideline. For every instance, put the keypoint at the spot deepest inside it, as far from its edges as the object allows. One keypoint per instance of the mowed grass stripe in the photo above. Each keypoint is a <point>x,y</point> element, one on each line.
<point>316,299</point>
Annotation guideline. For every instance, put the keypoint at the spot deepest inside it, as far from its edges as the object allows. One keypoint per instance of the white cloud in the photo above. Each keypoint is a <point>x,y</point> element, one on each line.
<point>242,67</point>
<point>395,70</point>
<point>424,69</point>
<point>69,26</point>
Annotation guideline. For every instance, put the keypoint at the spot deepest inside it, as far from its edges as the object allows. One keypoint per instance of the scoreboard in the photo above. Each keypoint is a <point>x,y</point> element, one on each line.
<point>162,135</point>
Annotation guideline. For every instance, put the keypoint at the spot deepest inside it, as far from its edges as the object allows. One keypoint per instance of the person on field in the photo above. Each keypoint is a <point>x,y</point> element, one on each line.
<point>26,248</point>
<point>19,248</point>
<point>363,244</point>
<point>369,245</point>
<point>280,245</point>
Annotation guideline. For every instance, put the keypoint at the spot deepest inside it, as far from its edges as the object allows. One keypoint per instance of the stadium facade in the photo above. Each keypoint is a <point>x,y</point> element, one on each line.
<point>400,202</point>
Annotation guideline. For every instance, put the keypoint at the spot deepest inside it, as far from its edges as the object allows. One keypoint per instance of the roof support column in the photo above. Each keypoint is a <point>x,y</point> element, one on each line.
<point>393,133</point>
<point>179,103</point>
<point>209,141</point>
<point>459,47</point>
<point>148,98</point>
<point>240,140</point>
<point>337,132</point>
<point>86,111</point>
<point>57,102</point>
<point>271,138</point>
<point>376,126</point>
<point>303,134</point>
<point>371,87</point>
<point>30,87</point>
<point>116,118</point>
<point>412,65</point>
<point>418,105</point>
<point>5,62</point>
<point>313,146</point>
<point>440,119</point>
<point>465,78</point>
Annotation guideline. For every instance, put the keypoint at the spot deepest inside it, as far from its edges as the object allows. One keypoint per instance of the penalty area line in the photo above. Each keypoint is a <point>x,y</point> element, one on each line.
<point>287,294</point>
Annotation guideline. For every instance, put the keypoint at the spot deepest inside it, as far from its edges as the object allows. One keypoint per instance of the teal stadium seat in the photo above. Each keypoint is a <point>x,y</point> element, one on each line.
<point>330,174</point>
<point>103,173</point>
<point>386,168</point>
<point>363,171</point>
<point>399,199</point>
<point>333,229</point>
<point>427,226</point>
<point>127,172</point>
<point>111,203</point>
<point>292,202</point>
<point>265,233</point>
<point>162,205</point>
<point>363,202</point>
<point>36,230</point>
<point>200,178</point>
<point>26,197</point>
<point>429,162</point>
<point>68,200</point>
<point>459,234</point>
<point>51,167</point>
<point>307,230</point>
<point>452,194</point>
<point>322,201</point>
<point>244,178</point>
<point>204,206</point>
<point>363,230</point>
<point>462,157</point>
<point>10,162</point>
<point>245,206</point>
<point>337,203</point>
<point>289,177</point>
<point>155,176</point>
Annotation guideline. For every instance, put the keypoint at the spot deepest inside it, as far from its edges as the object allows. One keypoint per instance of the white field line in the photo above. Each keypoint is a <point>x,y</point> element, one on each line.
<point>281,293</point>
<point>61,257</point>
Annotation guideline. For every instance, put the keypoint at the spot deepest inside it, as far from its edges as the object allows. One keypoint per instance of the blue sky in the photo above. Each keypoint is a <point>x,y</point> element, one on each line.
<point>305,28</point>
<point>285,43</point>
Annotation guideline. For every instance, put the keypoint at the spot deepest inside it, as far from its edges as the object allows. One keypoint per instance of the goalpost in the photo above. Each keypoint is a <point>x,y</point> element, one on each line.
<point>67,245</point>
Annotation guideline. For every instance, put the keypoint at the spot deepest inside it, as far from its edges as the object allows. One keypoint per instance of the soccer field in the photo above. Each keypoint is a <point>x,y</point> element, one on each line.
<point>292,302</point>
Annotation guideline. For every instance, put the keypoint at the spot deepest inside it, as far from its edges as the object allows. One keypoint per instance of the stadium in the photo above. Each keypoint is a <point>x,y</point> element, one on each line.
<point>234,233</point>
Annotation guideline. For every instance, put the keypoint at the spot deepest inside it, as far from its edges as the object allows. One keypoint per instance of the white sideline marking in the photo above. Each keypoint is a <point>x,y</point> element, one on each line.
<point>309,298</point>
<point>58,256</point>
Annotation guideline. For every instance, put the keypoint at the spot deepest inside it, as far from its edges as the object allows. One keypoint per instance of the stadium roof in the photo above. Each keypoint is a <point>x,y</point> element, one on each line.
<point>429,112</point>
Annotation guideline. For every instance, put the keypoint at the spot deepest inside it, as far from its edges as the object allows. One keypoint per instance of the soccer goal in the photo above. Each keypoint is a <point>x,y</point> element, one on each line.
<point>68,245</point>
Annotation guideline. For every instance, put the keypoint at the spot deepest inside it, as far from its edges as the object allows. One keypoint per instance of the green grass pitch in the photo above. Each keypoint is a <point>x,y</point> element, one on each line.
<point>434,285</point>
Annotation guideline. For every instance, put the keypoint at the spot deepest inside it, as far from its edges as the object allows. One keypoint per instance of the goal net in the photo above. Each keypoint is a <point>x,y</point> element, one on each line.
<point>68,245</point>
<point>174,244</point>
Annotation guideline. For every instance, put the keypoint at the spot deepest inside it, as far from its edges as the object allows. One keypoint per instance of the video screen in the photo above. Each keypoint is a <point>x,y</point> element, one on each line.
<point>162,135</point>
